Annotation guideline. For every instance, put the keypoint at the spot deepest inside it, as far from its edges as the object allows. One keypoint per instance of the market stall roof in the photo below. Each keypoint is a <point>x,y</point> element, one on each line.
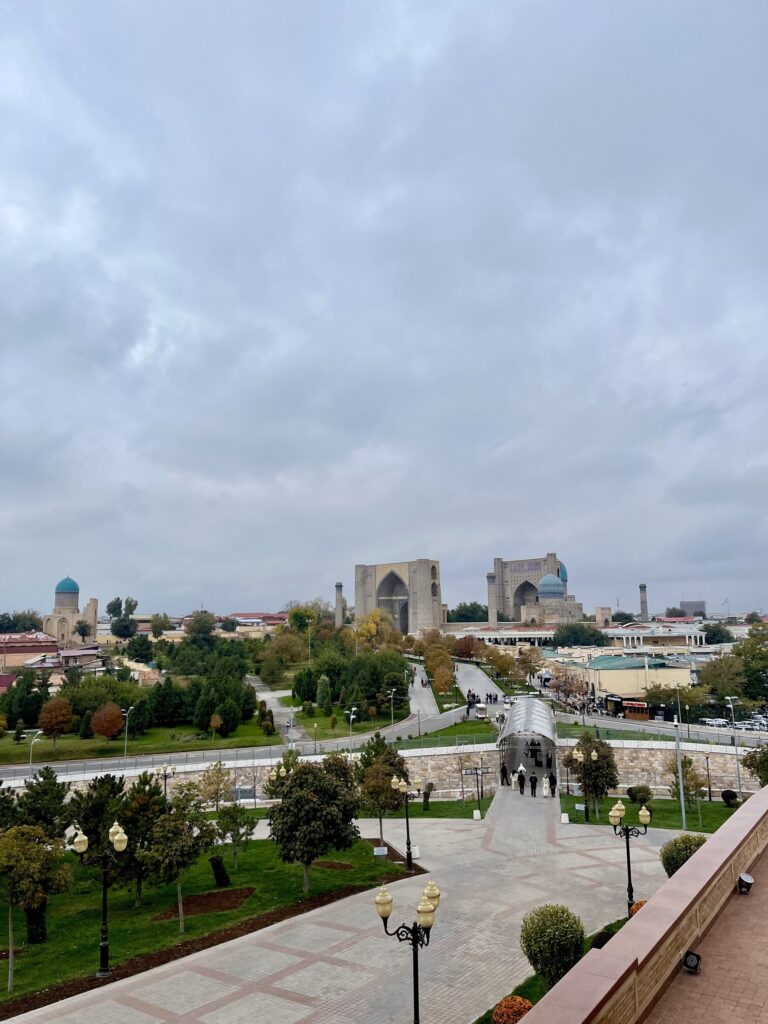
<point>529,715</point>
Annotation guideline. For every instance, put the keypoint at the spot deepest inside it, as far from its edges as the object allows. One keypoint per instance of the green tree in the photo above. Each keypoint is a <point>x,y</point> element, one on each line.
<point>96,807</point>
<point>230,717</point>
<point>756,763</point>
<point>115,608</point>
<point>138,812</point>
<point>43,803</point>
<point>753,651</point>
<point>56,718</point>
<point>622,617</point>
<point>216,784</point>
<point>228,625</point>
<point>376,749</point>
<point>178,840</point>
<point>314,817</point>
<point>158,624</point>
<point>167,702</point>
<point>200,626</point>
<point>30,872</point>
<point>752,618</point>
<point>125,627</point>
<point>139,648</point>
<point>235,826</point>
<point>675,613</point>
<point>716,633</point>
<point>9,812</point>
<point>693,780</point>
<point>83,629</point>
<point>578,634</point>
<point>20,622</point>
<point>377,795</point>
<point>205,707</point>
<point>723,676</point>
<point>468,611</point>
<point>597,777</point>
<point>272,671</point>
<point>301,618</point>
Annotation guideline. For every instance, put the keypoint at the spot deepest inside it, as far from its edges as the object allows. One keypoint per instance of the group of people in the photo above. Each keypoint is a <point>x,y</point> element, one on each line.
<point>491,698</point>
<point>548,785</point>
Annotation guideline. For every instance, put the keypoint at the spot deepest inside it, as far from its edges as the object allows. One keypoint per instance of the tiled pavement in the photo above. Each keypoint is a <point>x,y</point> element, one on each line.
<point>733,983</point>
<point>335,965</point>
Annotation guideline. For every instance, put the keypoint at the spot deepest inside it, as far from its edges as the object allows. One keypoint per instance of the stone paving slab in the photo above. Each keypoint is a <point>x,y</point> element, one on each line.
<point>335,965</point>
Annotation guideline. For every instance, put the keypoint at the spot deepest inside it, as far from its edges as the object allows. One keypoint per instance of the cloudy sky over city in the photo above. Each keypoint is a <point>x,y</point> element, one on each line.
<point>290,286</point>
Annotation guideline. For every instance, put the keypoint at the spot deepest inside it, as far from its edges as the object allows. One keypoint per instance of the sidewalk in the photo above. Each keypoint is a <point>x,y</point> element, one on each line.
<point>334,965</point>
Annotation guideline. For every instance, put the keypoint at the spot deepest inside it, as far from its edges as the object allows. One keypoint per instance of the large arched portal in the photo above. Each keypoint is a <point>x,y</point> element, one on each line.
<point>526,593</point>
<point>392,597</point>
<point>528,738</point>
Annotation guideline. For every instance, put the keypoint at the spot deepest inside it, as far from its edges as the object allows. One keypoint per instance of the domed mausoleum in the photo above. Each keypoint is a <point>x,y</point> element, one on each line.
<point>532,591</point>
<point>66,613</point>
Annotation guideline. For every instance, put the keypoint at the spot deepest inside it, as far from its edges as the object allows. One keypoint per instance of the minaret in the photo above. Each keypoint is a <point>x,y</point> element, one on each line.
<point>339,621</point>
<point>643,603</point>
<point>493,617</point>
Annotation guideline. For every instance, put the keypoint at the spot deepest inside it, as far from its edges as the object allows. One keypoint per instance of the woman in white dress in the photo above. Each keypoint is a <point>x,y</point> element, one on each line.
<point>545,786</point>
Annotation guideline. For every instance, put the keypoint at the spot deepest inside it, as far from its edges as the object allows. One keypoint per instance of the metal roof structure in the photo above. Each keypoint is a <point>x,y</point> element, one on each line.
<point>529,715</point>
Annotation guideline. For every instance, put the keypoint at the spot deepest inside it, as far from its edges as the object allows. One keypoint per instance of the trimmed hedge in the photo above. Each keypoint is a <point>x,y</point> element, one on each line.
<point>552,938</point>
<point>678,850</point>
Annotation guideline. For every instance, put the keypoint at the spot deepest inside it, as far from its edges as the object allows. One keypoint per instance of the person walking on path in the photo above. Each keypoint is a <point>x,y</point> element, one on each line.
<point>521,781</point>
<point>552,782</point>
<point>534,783</point>
<point>504,775</point>
<point>545,786</point>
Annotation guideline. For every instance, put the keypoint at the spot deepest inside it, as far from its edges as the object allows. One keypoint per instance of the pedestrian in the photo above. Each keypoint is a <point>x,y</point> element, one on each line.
<point>534,783</point>
<point>521,781</point>
<point>504,775</point>
<point>552,782</point>
<point>545,786</point>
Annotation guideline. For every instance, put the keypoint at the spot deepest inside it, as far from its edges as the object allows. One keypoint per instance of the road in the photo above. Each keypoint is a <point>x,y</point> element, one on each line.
<point>697,734</point>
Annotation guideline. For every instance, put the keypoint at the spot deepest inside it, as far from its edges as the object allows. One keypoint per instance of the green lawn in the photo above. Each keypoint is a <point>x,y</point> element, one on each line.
<point>158,740</point>
<point>665,813</point>
<point>381,723</point>
<point>446,808</point>
<point>73,918</point>
<point>574,730</point>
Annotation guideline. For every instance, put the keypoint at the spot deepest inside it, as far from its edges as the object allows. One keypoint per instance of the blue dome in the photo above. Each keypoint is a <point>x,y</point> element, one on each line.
<point>67,586</point>
<point>550,586</point>
<point>563,572</point>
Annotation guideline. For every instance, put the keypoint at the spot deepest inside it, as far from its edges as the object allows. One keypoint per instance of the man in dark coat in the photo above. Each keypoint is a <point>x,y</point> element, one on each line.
<point>552,782</point>
<point>534,783</point>
<point>521,782</point>
<point>504,775</point>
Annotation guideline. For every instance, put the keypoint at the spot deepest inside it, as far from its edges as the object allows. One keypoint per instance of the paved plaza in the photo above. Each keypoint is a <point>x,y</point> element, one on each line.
<point>334,965</point>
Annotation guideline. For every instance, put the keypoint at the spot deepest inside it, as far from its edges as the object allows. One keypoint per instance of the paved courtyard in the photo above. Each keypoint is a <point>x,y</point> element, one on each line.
<point>335,965</point>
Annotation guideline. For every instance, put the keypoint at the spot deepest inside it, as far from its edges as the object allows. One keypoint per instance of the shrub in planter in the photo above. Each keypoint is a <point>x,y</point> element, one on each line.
<point>510,1010</point>
<point>641,794</point>
<point>638,905</point>
<point>601,939</point>
<point>730,799</point>
<point>677,851</point>
<point>553,940</point>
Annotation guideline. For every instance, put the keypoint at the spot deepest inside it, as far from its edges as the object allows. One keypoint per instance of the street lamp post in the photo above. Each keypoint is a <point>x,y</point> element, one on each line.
<point>730,702</point>
<point>352,716</point>
<point>315,737</point>
<point>391,696</point>
<point>127,715</point>
<point>578,756</point>
<point>478,772</point>
<point>416,934</point>
<point>167,771</point>
<point>680,781</point>
<point>627,832</point>
<point>709,780</point>
<point>401,786</point>
<point>32,743</point>
<point>104,860</point>
<point>688,720</point>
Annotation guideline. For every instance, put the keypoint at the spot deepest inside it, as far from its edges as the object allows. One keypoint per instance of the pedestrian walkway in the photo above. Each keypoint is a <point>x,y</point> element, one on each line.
<point>334,965</point>
<point>470,677</point>
<point>423,703</point>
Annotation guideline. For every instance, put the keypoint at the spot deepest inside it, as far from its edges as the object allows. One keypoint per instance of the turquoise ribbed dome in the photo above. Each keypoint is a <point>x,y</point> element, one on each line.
<point>550,586</point>
<point>67,586</point>
<point>563,572</point>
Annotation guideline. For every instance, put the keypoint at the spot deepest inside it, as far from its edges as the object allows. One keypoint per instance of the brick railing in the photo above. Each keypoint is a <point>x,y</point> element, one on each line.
<point>619,983</point>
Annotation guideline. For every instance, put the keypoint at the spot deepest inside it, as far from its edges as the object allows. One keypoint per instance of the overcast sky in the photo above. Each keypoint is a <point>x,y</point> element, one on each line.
<point>290,286</point>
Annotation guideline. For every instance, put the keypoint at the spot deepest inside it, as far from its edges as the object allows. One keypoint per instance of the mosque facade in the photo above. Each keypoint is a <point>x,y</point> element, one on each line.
<point>408,591</point>
<point>533,591</point>
<point>60,624</point>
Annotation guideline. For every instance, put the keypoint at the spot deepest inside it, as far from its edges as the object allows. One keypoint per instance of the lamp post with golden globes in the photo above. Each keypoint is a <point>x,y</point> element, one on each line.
<point>416,934</point>
<point>578,755</point>
<point>616,818</point>
<point>104,860</point>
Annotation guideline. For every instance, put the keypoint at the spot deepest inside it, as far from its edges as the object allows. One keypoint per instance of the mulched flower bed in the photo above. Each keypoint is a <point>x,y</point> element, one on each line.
<point>44,997</point>
<point>209,903</point>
